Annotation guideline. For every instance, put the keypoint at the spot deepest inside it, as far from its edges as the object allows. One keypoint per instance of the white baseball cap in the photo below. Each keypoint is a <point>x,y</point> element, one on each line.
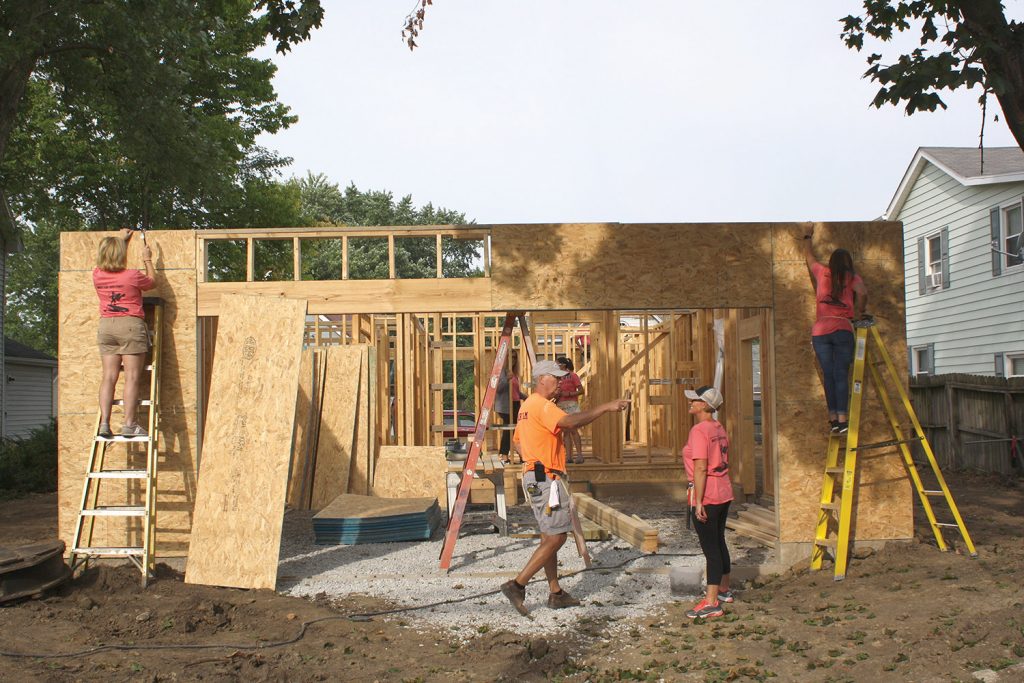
<point>548,367</point>
<point>710,395</point>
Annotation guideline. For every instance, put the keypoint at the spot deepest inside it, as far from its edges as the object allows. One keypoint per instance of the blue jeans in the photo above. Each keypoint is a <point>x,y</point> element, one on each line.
<point>835,353</point>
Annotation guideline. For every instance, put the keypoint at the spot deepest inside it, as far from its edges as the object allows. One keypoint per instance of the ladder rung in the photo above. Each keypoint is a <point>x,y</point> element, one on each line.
<point>116,511</point>
<point>934,493</point>
<point>143,402</point>
<point>949,525</point>
<point>112,552</point>
<point>884,444</point>
<point>834,470</point>
<point>119,474</point>
<point>826,542</point>
<point>829,506</point>
<point>132,439</point>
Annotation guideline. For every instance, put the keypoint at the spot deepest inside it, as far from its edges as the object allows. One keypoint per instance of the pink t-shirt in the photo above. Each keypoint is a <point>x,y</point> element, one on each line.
<point>570,384</point>
<point>120,293</point>
<point>832,315</point>
<point>708,441</point>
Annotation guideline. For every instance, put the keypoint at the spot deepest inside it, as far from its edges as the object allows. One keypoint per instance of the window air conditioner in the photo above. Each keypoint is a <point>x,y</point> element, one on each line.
<point>935,280</point>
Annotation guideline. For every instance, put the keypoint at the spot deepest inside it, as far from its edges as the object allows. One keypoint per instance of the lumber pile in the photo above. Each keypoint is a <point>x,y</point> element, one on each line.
<point>632,530</point>
<point>756,522</point>
<point>350,519</point>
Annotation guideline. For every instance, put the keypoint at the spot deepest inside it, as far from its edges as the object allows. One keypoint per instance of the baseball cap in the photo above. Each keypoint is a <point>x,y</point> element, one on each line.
<point>548,367</point>
<point>710,395</point>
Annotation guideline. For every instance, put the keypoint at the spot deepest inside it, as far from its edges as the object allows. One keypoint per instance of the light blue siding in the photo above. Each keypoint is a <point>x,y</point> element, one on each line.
<point>30,402</point>
<point>979,315</point>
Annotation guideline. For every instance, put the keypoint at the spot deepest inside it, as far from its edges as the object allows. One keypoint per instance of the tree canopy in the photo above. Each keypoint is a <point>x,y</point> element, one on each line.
<point>961,43</point>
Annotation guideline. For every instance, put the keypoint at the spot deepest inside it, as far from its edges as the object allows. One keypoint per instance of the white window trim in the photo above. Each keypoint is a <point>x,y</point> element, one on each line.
<point>1003,224</point>
<point>1008,359</point>
<point>933,269</point>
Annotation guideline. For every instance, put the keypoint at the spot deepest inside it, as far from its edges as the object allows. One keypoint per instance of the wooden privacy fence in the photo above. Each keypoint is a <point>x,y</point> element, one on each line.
<point>971,419</point>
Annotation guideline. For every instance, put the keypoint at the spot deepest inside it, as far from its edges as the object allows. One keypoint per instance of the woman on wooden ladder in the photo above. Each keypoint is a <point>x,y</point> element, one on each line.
<point>840,297</point>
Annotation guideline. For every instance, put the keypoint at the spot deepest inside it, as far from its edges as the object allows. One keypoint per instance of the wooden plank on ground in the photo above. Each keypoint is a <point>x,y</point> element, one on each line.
<point>633,530</point>
<point>337,424</point>
<point>243,475</point>
<point>755,532</point>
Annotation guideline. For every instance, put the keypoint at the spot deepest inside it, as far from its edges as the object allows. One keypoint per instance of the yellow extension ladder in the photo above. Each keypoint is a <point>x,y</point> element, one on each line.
<point>836,508</point>
<point>142,553</point>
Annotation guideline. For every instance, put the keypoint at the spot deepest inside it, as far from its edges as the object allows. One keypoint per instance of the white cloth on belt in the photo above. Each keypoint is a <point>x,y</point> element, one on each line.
<point>553,495</point>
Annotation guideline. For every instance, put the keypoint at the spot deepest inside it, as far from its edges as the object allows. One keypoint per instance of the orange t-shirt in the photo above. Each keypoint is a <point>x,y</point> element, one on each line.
<point>538,435</point>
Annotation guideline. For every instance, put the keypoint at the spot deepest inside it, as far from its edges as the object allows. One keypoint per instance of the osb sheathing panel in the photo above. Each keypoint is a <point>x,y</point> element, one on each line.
<point>176,483</point>
<point>236,533</point>
<point>80,374</point>
<point>611,265</point>
<point>172,249</point>
<point>411,472</point>
<point>300,473</point>
<point>883,505</point>
<point>337,424</point>
<point>359,475</point>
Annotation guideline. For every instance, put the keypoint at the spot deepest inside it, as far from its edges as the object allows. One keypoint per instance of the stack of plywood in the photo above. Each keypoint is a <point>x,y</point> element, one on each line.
<point>351,519</point>
<point>334,440</point>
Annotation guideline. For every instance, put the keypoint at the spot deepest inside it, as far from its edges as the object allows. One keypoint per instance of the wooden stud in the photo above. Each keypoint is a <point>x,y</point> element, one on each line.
<point>344,258</point>
<point>391,256</point>
<point>440,257</point>
<point>296,260</point>
<point>250,259</point>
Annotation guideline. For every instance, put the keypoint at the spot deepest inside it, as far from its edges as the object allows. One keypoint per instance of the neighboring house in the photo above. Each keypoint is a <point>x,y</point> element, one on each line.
<point>31,385</point>
<point>962,246</point>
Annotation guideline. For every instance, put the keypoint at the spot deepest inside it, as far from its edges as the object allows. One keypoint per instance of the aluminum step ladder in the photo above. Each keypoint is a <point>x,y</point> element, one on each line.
<point>836,504</point>
<point>138,501</point>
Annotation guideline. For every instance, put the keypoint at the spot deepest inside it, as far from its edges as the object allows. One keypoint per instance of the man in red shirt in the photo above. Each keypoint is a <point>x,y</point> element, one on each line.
<point>538,439</point>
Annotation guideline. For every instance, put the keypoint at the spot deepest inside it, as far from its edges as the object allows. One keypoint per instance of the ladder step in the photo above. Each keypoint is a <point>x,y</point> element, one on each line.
<point>118,474</point>
<point>116,511</point>
<point>834,470</point>
<point>829,506</point>
<point>884,444</point>
<point>120,439</point>
<point>109,552</point>
<point>947,525</point>
<point>933,493</point>
<point>143,402</point>
<point>826,542</point>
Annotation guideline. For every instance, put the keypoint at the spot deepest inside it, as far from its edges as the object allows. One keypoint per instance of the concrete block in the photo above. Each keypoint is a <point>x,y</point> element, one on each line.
<point>686,580</point>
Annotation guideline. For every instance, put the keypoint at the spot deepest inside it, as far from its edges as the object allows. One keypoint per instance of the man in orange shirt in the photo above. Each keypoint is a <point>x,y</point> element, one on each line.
<point>538,439</point>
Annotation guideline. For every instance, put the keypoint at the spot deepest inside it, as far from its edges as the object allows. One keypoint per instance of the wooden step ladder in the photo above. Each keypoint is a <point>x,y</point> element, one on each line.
<point>836,504</point>
<point>143,554</point>
<point>482,420</point>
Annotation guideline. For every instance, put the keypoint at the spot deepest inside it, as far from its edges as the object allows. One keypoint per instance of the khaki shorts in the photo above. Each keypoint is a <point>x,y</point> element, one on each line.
<point>122,335</point>
<point>558,521</point>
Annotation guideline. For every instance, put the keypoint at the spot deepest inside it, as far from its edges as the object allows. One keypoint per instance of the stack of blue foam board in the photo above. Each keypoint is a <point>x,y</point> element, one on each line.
<point>351,519</point>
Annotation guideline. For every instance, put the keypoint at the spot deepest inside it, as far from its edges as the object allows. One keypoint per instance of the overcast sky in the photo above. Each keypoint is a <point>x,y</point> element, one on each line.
<point>645,111</point>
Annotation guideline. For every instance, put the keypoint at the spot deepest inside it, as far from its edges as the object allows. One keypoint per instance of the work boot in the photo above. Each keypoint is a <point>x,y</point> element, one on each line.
<point>561,600</point>
<point>516,594</point>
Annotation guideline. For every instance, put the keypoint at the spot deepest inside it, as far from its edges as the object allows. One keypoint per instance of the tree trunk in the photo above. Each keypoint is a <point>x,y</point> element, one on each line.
<point>13,82</point>
<point>1001,50</point>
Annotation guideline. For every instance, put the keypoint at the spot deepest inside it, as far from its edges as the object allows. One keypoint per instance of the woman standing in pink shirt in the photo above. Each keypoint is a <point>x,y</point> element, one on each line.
<point>706,458</point>
<point>122,337</point>
<point>840,297</point>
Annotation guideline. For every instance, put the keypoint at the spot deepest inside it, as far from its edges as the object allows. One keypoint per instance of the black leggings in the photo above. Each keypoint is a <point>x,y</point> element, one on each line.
<point>712,540</point>
<point>506,435</point>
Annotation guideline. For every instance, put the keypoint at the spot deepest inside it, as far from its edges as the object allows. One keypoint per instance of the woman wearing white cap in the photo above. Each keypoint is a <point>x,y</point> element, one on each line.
<point>706,457</point>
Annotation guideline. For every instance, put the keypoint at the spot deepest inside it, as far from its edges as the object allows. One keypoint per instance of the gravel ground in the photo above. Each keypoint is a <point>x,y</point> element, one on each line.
<point>621,584</point>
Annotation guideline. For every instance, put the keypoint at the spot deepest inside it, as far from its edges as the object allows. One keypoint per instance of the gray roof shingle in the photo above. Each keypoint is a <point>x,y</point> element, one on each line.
<point>966,161</point>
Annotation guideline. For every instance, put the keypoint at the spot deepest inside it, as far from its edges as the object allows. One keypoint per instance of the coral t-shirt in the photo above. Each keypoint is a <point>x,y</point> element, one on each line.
<point>708,441</point>
<point>832,315</point>
<point>538,435</point>
<point>570,384</point>
<point>120,293</point>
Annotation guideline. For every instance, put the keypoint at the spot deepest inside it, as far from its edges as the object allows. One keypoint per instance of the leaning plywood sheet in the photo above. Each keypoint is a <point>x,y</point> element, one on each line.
<point>359,478</point>
<point>337,424</point>
<point>411,472</point>
<point>243,474</point>
<point>633,530</point>
<point>307,426</point>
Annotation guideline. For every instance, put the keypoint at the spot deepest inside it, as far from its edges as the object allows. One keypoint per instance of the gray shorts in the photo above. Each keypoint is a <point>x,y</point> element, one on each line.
<point>558,521</point>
